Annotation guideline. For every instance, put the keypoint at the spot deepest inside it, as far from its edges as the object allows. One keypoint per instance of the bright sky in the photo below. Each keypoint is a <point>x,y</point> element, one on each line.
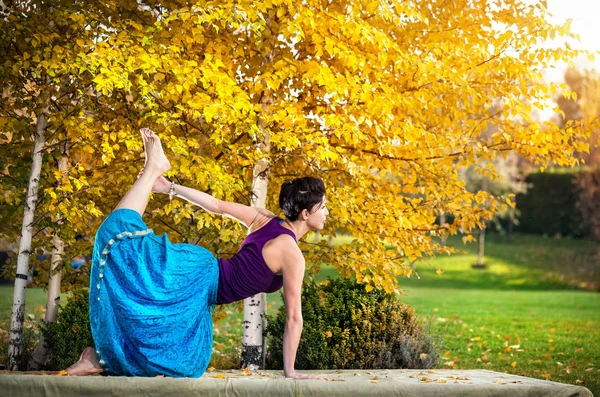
<point>586,23</point>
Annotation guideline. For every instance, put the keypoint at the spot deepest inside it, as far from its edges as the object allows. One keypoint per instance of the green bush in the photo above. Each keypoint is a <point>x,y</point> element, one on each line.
<point>347,328</point>
<point>66,338</point>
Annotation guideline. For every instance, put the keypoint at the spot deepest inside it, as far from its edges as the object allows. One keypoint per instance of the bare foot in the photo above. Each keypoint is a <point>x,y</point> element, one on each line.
<point>156,160</point>
<point>88,364</point>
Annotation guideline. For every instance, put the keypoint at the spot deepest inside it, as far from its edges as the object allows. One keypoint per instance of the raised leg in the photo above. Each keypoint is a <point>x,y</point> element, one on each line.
<point>156,165</point>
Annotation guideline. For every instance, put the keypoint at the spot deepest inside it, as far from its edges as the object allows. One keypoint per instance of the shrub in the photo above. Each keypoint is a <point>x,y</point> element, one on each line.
<point>347,328</point>
<point>66,338</point>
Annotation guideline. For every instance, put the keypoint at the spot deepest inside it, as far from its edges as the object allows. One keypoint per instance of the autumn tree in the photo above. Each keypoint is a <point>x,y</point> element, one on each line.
<point>354,92</point>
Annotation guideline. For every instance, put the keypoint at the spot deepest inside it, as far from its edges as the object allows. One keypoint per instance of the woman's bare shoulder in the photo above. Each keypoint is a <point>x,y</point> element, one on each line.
<point>262,218</point>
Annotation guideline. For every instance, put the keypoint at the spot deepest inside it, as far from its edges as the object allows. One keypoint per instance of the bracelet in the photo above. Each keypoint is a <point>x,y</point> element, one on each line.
<point>171,191</point>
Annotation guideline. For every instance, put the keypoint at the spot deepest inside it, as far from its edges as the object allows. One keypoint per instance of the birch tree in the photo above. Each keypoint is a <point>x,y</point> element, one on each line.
<point>40,355</point>
<point>15,347</point>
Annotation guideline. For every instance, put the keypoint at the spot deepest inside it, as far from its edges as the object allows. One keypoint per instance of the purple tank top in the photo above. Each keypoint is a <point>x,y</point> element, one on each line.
<point>246,273</point>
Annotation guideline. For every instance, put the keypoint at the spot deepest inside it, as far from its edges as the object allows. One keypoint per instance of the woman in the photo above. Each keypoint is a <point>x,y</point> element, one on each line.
<point>150,300</point>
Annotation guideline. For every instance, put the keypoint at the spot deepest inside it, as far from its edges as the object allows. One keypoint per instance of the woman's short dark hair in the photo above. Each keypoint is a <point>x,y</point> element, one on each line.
<point>300,194</point>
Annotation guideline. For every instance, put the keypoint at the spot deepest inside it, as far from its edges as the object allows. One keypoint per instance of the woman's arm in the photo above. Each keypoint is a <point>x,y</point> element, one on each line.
<point>240,212</point>
<point>293,274</point>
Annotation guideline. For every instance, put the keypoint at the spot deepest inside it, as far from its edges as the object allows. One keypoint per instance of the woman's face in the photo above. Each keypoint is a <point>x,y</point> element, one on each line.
<point>317,216</point>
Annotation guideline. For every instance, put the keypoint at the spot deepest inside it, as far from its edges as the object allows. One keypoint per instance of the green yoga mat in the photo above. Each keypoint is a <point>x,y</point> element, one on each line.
<point>347,383</point>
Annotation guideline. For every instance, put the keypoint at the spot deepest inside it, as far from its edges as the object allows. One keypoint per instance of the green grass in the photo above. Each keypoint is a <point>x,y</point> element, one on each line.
<point>35,303</point>
<point>537,293</point>
<point>543,334</point>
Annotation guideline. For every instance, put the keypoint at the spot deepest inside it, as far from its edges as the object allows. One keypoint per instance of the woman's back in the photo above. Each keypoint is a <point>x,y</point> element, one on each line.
<point>246,273</point>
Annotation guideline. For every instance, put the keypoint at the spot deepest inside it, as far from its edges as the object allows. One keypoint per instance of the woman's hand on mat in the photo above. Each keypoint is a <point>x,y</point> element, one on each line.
<point>298,375</point>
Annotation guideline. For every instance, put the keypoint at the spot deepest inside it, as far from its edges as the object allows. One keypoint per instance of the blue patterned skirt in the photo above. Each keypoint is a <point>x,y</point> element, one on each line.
<point>150,300</point>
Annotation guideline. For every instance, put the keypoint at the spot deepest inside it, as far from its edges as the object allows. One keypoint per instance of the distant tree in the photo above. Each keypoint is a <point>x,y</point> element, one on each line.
<point>585,105</point>
<point>499,178</point>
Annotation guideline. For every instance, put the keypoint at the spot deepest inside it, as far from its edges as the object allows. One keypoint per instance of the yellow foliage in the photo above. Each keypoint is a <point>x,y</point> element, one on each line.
<point>385,104</point>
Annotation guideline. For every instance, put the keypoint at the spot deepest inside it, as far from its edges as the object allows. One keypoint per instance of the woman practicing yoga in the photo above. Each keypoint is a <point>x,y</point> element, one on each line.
<point>150,300</point>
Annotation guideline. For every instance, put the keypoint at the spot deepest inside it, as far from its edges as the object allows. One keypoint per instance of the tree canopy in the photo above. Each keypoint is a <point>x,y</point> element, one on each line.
<point>385,100</point>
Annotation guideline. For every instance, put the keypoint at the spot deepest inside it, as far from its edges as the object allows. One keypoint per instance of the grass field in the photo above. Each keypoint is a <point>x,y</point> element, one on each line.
<point>532,311</point>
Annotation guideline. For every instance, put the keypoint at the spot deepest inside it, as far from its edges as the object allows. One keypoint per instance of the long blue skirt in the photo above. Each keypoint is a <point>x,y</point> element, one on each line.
<point>150,300</point>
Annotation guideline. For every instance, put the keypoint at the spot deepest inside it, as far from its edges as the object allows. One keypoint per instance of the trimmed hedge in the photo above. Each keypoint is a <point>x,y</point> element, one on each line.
<point>347,328</point>
<point>550,206</point>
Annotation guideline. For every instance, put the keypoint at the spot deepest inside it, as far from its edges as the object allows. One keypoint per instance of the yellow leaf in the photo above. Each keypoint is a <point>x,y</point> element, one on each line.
<point>439,272</point>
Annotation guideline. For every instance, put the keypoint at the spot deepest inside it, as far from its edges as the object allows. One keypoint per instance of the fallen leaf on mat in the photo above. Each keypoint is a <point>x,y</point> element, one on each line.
<point>219,376</point>
<point>210,369</point>
<point>374,380</point>
<point>500,381</point>
<point>62,373</point>
<point>442,380</point>
<point>458,377</point>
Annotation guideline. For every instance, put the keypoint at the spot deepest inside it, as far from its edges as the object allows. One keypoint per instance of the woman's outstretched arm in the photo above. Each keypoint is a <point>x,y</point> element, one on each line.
<point>240,212</point>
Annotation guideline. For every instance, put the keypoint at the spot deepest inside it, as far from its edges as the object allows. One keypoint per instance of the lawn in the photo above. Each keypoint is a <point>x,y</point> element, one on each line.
<point>532,311</point>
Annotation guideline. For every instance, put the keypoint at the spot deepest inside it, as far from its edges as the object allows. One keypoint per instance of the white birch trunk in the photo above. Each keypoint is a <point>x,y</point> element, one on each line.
<point>442,223</point>
<point>255,316</point>
<point>15,347</point>
<point>39,357</point>
<point>255,320</point>
<point>481,247</point>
